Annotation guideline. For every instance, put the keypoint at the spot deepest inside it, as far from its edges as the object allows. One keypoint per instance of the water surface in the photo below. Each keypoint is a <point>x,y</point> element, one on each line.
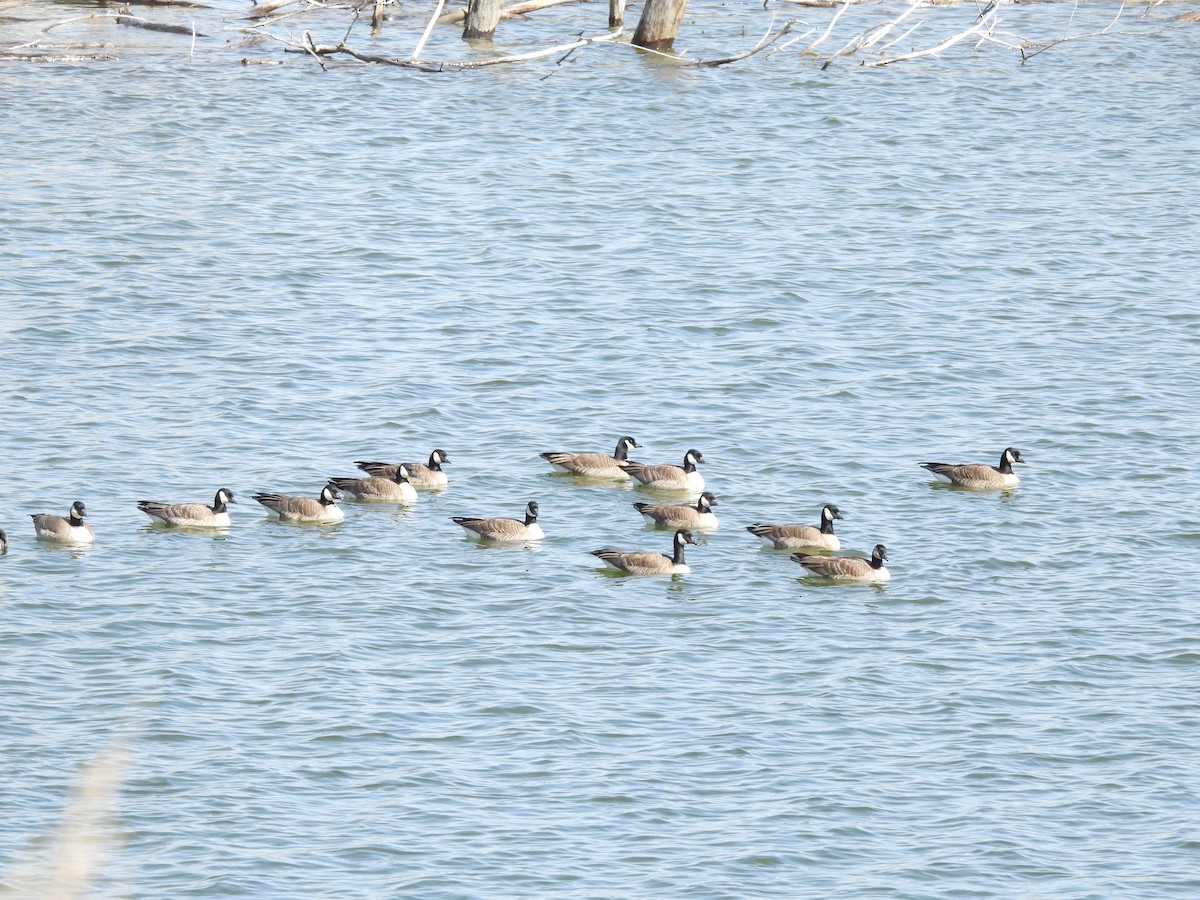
<point>251,277</point>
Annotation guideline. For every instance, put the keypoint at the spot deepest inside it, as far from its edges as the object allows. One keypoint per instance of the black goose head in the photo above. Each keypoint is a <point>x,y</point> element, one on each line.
<point>624,445</point>
<point>706,502</point>
<point>683,537</point>
<point>531,512</point>
<point>878,555</point>
<point>829,512</point>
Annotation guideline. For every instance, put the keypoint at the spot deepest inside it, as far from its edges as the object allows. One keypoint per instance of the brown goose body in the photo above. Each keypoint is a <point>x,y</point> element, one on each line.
<point>678,515</point>
<point>645,562</point>
<point>420,475</point>
<point>322,509</point>
<point>395,489</point>
<point>673,478</point>
<point>594,465</point>
<point>191,515</point>
<point>68,529</point>
<point>795,537</point>
<point>848,568</point>
<point>502,529</point>
<point>979,476</point>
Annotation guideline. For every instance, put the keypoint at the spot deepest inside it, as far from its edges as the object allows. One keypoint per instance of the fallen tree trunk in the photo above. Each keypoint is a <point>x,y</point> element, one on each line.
<point>135,22</point>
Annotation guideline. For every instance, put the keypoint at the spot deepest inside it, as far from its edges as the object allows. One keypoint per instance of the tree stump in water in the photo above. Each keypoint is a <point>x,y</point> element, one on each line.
<point>482,18</point>
<point>616,13</point>
<point>659,23</point>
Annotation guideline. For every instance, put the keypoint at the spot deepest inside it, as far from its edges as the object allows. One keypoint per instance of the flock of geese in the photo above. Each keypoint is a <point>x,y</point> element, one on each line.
<point>398,483</point>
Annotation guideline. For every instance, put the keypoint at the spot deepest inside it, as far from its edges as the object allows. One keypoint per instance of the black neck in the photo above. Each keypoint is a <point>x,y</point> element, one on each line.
<point>826,525</point>
<point>218,506</point>
<point>688,465</point>
<point>621,453</point>
<point>530,517</point>
<point>74,520</point>
<point>678,557</point>
<point>1005,465</point>
<point>434,465</point>
<point>700,507</point>
<point>876,562</point>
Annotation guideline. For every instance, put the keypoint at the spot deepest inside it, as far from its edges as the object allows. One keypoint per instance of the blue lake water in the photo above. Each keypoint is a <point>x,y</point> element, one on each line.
<point>215,275</point>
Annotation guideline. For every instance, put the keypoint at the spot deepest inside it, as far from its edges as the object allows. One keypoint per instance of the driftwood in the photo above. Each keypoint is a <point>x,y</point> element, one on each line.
<point>265,9</point>
<point>134,22</point>
<point>322,51</point>
<point>181,4</point>
<point>767,40</point>
<point>983,27</point>
<point>441,4</point>
<point>53,57</point>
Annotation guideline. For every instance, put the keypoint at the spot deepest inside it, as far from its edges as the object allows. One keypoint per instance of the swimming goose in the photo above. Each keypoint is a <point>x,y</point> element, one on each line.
<point>793,537</point>
<point>848,568</point>
<point>191,515</point>
<point>683,477</point>
<point>504,529</point>
<point>422,475</point>
<point>979,476</point>
<point>594,465</point>
<point>304,509</point>
<point>395,489</point>
<point>646,562</point>
<point>65,530</point>
<point>679,515</point>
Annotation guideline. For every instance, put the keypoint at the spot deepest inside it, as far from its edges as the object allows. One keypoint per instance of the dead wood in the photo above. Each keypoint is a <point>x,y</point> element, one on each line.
<point>135,22</point>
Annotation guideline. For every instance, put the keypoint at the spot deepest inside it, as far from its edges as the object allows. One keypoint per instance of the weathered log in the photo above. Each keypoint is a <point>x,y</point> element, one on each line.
<point>55,57</point>
<point>659,24</point>
<point>184,4</point>
<point>135,22</point>
<point>482,18</point>
<point>265,9</point>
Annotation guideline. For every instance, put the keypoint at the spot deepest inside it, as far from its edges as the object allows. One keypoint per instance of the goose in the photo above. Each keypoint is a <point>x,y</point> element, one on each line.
<point>647,562</point>
<point>793,537</point>
<point>191,515</point>
<point>683,477</point>
<point>395,489</point>
<point>504,529</point>
<point>680,515</point>
<point>304,509</point>
<point>979,476</point>
<point>3,541</point>
<point>848,568</point>
<point>65,530</point>
<point>594,465</point>
<point>421,475</point>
